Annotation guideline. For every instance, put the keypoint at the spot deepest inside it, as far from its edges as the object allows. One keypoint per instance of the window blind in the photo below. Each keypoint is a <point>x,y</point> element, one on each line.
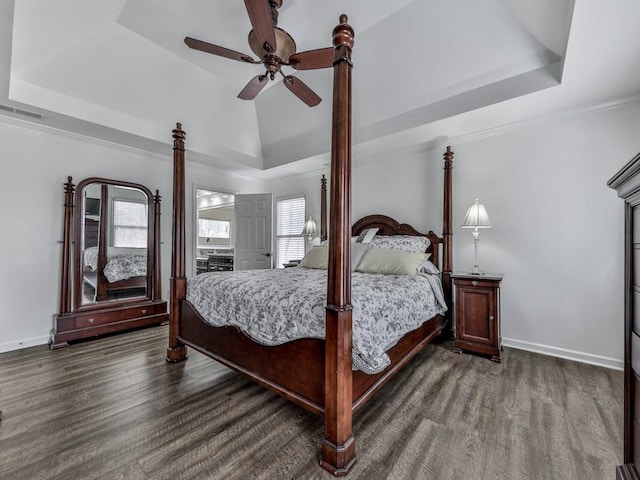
<point>290,216</point>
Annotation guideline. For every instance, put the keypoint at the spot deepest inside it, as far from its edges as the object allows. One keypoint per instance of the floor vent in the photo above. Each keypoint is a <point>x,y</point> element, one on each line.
<point>19,111</point>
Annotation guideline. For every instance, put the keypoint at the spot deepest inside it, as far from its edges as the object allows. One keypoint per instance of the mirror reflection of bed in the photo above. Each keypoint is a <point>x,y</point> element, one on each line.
<point>214,230</point>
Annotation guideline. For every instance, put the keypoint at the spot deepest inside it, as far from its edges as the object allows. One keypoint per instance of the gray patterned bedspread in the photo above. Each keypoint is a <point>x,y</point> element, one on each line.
<point>122,263</point>
<point>276,306</point>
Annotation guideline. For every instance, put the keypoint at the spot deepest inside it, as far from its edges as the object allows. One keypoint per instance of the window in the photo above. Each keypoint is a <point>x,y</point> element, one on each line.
<point>214,228</point>
<point>290,244</point>
<point>129,224</point>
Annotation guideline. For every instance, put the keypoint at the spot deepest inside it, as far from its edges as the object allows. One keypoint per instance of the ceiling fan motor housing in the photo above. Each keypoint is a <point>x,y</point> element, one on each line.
<point>285,45</point>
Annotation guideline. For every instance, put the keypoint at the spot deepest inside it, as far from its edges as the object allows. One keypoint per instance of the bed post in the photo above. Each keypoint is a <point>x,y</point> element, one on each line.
<point>177,351</point>
<point>338,446</point>
<point>101,281</point>
<point>67,242</point>
<point>157,261</point>
<point>323,208</point>
<point>447,233</point>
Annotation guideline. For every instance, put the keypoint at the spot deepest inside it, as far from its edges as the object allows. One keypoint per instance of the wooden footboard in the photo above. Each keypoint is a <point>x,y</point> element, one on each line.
<point>295,369</point>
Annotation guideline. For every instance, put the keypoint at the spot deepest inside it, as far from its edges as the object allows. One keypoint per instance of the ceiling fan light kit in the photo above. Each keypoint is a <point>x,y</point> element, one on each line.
<point>276,48</point>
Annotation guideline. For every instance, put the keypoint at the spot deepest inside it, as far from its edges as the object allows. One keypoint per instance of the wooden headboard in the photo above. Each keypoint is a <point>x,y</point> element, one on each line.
<point>388,226</point>
<point>441,247</point>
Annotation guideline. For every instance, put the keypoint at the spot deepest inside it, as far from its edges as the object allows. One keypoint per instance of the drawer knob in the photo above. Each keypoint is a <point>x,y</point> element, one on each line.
<point>144,311</point>
<point>491,317</point>
<point>474,283</point>
<point>90,320</point>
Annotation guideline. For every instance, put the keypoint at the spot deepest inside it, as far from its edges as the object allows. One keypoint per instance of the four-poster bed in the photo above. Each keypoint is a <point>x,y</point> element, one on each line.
<point>317,374</point>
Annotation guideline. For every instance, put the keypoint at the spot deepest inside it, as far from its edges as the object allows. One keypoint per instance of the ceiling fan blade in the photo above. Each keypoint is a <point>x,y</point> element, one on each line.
<point>217,50</point>
<point>253,88</point>
<point>301,90</point>
<point>312,59</point>
<point>260,16</point>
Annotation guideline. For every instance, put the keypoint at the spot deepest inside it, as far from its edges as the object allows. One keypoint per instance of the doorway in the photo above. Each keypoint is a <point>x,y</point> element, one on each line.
<point>215,227</point>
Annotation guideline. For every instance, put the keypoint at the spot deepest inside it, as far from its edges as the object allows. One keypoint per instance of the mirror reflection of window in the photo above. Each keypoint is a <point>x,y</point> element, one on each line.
<point>209,228</point>
<point>129,224</point>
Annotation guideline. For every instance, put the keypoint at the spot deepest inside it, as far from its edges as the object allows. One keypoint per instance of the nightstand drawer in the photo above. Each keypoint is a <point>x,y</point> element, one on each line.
<point>478,282</point>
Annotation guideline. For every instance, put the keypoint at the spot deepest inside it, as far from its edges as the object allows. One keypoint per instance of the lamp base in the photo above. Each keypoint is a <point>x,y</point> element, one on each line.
<point>476,270</point>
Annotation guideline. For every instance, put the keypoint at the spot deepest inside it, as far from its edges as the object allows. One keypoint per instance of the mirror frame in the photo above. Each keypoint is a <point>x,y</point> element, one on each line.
<point>79,244</point>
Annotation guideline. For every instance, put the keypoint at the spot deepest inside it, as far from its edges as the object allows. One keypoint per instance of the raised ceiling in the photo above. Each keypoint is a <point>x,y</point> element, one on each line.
<point>119,70</point>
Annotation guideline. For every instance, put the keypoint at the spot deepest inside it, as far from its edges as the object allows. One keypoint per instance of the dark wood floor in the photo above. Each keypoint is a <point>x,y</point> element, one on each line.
<point>113,409</point>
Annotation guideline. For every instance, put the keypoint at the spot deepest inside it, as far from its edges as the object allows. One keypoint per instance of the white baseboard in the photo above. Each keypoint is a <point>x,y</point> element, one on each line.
<point>591,359</point>
<point>25,343</point>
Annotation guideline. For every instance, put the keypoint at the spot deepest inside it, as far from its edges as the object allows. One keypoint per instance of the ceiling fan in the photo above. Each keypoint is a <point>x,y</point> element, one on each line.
<point>276,48</point>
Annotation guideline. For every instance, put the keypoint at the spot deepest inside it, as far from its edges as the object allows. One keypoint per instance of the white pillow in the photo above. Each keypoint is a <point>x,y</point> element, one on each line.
<point>392,262</point>
<point>325,243</point>
<point>367,235</point>
<point>318,257</point>
<point>358,250</point>
<point>430,268</point>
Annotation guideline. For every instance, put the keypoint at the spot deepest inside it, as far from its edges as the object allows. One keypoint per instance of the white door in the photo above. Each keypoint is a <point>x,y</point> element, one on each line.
<point>253,231</point>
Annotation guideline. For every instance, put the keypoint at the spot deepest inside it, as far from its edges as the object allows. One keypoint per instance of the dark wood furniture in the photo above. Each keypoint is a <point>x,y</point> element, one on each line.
<point>220,263</point>
<point>214,263</point>
<point>91,232</point>
<point>477,314</point>
<point>202,265</point>
<point>627,183</point>
<point>316,374</point>
<point>85,315</point>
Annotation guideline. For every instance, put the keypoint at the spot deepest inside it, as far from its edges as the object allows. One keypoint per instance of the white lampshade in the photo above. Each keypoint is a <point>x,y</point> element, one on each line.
<point>476,216</point>
<point>310,229</point>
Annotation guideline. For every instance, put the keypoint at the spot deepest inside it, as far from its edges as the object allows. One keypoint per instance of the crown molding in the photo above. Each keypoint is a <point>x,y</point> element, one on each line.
<point>551,117</point>
<point>9,119</point>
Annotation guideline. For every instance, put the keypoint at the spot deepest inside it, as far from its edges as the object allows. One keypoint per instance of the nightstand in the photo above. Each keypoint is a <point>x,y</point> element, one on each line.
<point>477,313</point>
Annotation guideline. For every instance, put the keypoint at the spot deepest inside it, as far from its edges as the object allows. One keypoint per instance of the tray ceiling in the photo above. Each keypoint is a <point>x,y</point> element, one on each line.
<point>119,70</point>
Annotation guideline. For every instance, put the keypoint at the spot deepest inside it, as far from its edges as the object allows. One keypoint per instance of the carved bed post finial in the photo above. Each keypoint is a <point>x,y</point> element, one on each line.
<point>323,208</point>
<point>177,351</point>
<point>447,230</point>
<point>338,445</point>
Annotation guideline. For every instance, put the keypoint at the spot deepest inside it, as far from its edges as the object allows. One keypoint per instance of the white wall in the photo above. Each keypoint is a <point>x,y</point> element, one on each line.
<point>35,165</point>
<point>557,236</point>
<point>558,229</point>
